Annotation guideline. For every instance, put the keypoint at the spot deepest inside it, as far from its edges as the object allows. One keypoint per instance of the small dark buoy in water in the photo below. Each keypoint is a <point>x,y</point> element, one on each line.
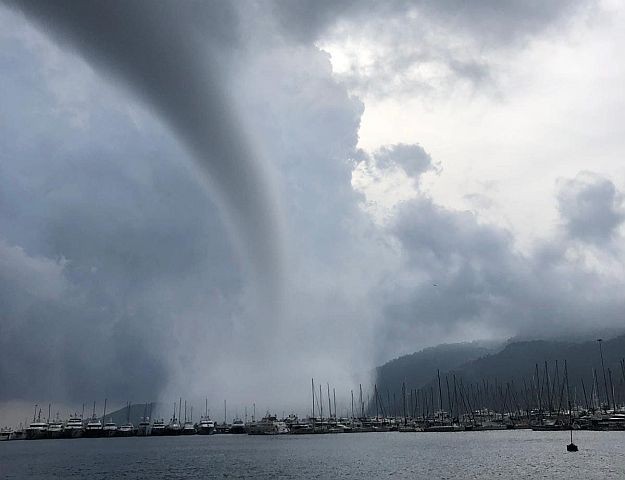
<point>571,447</point>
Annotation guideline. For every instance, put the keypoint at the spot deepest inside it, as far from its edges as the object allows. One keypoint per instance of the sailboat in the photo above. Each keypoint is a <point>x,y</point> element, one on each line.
<point>144,425</point>
<point>94,426</point>
<point>127,429</point>
<point>55,427</point>
<point>174,427</point>
<point>206,425</point>
<point>38,428</point>
<point>188,428</point>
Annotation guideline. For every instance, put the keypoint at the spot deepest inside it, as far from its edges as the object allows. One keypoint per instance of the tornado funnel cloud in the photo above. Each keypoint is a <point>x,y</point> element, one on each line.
<point>170,54</point>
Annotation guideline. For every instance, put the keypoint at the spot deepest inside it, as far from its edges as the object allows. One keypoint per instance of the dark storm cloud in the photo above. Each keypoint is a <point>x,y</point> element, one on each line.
<point>172,55</point>
<point>464,273</point>
<point>461,278</point>
<point>102,244</point>
<point>504,21</point>
<point>425,46</point>
<point>101,193</point>
<point>591,208</point>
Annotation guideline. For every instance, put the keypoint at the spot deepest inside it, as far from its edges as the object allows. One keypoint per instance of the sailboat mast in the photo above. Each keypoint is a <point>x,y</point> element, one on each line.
<point>362,408</point>
<point>329,402</point>
<point>403,393</point>
<point>321,405</point>
<point>572,446</point>
<point>312,383</point>
<point>612,390</point>
<point>352,392</point>
<point>440,392</point>
<point>451,410</point>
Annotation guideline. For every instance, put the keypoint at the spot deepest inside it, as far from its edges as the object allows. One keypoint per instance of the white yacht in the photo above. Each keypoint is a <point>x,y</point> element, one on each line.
<point>55,428</point>
<point>145,428</point>
<point>37,430</point>
<point>126,430</point>
<point>238,426</point>
<point>269,425</point>
<point>93,428</point>
<point>158,428</point>
<point>206,426</point>
<point>109,429</point>
<point>73,427</point>
<point>5,433</point>
<point>188,428</point>
<point>94,425</point>
<point>174,427</point>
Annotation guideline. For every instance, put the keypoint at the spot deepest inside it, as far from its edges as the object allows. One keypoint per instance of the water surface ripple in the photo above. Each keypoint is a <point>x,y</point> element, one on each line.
<point>483,455</point>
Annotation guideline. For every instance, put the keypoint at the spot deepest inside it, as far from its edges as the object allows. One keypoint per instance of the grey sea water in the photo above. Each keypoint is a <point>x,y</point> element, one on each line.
<point>483,455</point>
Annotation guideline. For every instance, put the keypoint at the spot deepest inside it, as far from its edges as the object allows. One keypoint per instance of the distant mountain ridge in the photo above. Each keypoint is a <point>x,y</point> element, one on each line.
<point>418,368</point>
<point>515,361</point>
<point>519,359</point>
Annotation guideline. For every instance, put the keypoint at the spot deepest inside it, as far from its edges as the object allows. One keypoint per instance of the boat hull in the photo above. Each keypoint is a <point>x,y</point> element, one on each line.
<point>36,434</point>
<point>144,431</point>
<point>206,431</point>
<point>73,433</point>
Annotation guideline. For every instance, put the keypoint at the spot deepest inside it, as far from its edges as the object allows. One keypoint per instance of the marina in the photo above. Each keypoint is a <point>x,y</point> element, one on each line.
<point>546,400</point>
<point>373,417</point>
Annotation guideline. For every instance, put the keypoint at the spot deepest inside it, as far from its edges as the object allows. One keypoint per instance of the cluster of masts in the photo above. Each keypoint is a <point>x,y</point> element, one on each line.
<point>545,401</point>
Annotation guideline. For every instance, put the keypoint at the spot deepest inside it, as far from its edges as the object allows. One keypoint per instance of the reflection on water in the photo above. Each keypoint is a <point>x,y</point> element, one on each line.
<point>484,455</point>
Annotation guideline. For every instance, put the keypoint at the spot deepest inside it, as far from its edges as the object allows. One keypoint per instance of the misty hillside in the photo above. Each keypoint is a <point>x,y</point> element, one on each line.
<point>137,411</point>
<point>513,362</point>
<point>518,360</point>
<point>419,368</point>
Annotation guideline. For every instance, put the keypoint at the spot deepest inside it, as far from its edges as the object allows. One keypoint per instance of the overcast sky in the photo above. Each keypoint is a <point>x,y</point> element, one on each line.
<point>226,199</point>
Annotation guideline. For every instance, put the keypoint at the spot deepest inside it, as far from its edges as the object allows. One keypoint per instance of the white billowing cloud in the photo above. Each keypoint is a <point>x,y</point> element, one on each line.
<point>390,176</point>
<point>459,278</point>
<point>403,48</point>
<point>551,110</point>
